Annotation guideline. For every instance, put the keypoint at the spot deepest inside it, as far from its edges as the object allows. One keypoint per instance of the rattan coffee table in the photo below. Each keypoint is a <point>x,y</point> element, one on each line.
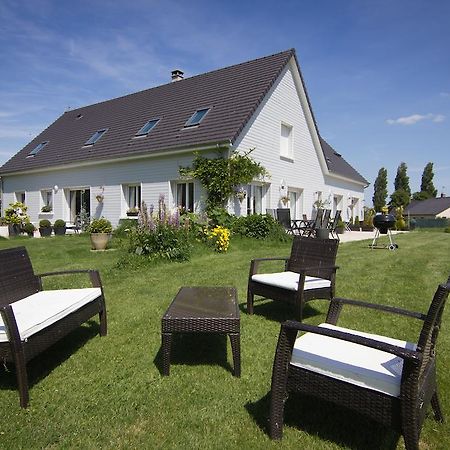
<point>203,310</point>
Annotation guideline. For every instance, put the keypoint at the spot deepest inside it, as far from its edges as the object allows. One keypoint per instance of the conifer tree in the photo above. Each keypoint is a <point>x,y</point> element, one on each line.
<point>427,189</point>
<point>402,194</point>
<point>380,190</point>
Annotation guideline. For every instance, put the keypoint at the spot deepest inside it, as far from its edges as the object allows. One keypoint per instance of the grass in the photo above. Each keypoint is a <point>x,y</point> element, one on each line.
<point>91,392</point>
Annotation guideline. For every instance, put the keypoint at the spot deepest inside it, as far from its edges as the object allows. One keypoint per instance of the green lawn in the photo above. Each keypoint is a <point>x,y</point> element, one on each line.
<point>92,392</point>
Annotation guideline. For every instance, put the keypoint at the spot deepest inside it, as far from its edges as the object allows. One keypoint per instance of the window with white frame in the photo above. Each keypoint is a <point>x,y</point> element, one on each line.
<point>185,196</point>
<point>20,197</point>
<point>47,200</point>
<point>286,147</point>
<point>133,196</point>
<point>254,199</point>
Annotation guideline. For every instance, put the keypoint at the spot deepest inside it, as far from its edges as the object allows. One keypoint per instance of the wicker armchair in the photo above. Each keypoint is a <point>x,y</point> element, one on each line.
<point>389,380</point>
<point>309,273</point>
<point>32,319</point>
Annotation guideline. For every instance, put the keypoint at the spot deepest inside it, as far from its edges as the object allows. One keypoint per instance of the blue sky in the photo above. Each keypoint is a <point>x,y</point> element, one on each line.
<point>377,72</point>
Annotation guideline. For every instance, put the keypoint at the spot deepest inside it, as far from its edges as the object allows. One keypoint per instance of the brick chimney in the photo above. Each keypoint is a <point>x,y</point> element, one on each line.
<point>177,75</point>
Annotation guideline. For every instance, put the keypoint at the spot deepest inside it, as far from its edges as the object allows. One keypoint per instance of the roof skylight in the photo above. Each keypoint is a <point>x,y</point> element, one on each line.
<point>197,117</point>
<point>38,148</point>
<point>96,136</point>
<point>147,127</point>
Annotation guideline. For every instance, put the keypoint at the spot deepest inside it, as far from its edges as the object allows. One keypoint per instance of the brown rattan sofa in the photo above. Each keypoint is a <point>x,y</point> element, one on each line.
<point>389,380</point>
<point>33,319</point>
<point>309,273</point>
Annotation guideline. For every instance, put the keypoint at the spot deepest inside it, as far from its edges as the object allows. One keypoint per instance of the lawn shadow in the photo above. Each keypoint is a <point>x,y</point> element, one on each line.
<point>327,421</point>
<point>197,349</point>
<point>278,311</point>
<point>44,363</point>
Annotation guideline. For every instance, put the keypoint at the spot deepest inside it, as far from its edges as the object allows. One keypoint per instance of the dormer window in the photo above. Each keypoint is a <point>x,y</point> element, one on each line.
<point>197,117</point>
<point>147,127</point>
<point>37,149</point>
<point>96,136</point>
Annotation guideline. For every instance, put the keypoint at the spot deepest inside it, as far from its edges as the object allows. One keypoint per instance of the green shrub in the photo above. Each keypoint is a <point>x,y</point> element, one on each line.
<point>164,242</point>
<point>447,230</point>
<point>259,227</point>
<point>159,235</point>
<point>29,228</point>
<point>100,225</point>
<point>45,223</point>
<point>59,223</point>
<point>220,217</point>
<point>125,225</point>
<point>16,214</point>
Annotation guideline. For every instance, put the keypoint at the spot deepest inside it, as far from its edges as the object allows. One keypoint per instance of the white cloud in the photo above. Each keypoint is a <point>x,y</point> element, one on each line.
<point>415,118</point>
<point>445,94</point>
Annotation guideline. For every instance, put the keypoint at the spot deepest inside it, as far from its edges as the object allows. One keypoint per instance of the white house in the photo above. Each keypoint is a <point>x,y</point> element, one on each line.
<point>112,155</point>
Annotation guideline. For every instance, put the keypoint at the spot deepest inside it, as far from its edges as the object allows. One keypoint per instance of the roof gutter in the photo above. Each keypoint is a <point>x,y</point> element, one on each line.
<point>225,145</point>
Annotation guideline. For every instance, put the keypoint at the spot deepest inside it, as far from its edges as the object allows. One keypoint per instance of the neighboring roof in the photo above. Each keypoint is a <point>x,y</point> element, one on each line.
<point>338,165</point>
<point>233,94</point>
<point>431,206</point>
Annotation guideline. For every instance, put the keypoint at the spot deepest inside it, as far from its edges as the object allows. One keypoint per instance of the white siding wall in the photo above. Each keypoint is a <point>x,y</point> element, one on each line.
<point>285,104</point>
<point>153,174</point>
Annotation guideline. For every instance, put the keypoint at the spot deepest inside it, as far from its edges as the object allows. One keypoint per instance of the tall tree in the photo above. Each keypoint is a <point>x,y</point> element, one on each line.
<point>427,189</point>
<point>402,179</point>
<point>427,180</point>
<point>402,194</point>
<point>380,190</point>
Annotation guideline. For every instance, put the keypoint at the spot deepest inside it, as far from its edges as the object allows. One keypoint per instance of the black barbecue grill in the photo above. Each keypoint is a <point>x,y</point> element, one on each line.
<point>383,224</point>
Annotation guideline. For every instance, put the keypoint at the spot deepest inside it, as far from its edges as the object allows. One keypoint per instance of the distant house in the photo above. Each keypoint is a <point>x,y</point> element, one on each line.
<point>110,156</point>
<point>433,208</point>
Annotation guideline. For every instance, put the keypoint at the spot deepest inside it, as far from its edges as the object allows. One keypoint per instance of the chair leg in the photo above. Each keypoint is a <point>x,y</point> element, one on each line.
<point>411,440</point>
<point>103,322</point>
<point>21,376</point>
<point>436,405</point>
<point>277,401</point>
<point>250,299</point>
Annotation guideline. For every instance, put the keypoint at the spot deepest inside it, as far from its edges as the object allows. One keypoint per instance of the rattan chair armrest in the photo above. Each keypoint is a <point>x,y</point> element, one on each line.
<point>254,264</point>
<point>384,308</point>
<point>404,353</point>
<point>306,269</point>
<point>94,275</point>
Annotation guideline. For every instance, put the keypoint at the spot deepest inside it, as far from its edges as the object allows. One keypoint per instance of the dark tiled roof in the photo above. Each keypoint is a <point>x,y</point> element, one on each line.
<point>338,165</point>
<point>233,94</point>
<point>432,206</point>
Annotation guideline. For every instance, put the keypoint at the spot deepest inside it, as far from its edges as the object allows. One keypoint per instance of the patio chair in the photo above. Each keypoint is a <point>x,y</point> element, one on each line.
<point>388,380</point>
<point>284,218</point>
<point>334,223</point>
<point>326,218</point>
<point>309,273</point>
<point>310,229</point>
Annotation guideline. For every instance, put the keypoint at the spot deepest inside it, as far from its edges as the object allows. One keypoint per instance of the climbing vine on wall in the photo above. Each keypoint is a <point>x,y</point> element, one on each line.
<point>222,176</point>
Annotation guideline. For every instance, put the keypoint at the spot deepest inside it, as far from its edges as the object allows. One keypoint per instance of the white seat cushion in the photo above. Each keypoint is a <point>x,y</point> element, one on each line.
<point>349,362</point>
<point>289,280</point>
<point>37,311</point>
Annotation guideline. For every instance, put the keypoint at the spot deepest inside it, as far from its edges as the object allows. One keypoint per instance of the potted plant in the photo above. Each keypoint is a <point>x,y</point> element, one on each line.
<point>45,228</point>
<point>29,228</point>
<point>340,227</point>
<point>133,212</point>
<point>46,209</point>
<point>4,232</point>
<point>59,227</point>
<point>16,217</point>
<point>100,230</point>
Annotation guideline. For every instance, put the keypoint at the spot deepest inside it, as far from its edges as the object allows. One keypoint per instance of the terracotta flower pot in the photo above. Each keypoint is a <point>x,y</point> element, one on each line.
<point>99,241</point>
